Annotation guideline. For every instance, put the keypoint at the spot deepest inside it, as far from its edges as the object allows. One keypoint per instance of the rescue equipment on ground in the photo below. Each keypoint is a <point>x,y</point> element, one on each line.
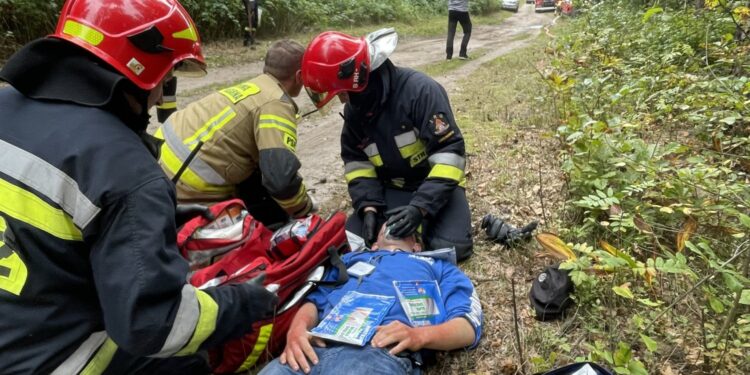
<point>237,259</point>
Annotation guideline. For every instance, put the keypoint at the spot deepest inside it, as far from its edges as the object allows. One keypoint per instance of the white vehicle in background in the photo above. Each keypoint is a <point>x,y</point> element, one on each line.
<point>509,5</point>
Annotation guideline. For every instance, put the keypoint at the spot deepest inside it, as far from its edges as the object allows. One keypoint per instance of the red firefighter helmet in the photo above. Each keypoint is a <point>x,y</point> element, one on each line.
<point>142,39</point>
<point>335,62</point>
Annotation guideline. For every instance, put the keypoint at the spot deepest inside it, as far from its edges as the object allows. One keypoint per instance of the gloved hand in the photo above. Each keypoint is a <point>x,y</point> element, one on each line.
<point>403,221</point>
<point>185,212</point>
<point>262,301</point>
<point>505,234</point>
<point>370,227</point>
<point>313,203</point>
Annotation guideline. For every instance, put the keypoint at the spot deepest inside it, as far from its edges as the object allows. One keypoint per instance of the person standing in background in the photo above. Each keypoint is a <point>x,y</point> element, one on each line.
<point>251,10</point>
<point>458,11</point>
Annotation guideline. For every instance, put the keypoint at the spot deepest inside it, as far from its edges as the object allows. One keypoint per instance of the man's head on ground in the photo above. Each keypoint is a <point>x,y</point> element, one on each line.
<point>283,61</point>
<point>385,242</point>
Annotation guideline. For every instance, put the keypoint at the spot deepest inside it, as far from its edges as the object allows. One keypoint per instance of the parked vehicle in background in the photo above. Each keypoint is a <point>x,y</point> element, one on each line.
<point>509,5</point>
<point>544,6</point>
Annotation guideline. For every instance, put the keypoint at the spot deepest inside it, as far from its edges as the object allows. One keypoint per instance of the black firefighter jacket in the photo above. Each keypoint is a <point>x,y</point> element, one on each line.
<point>409,142</point>
<point>88,259</point>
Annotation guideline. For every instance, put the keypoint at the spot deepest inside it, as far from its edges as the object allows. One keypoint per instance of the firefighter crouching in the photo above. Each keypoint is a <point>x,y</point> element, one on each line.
<point>249,137</point>
<point>91,280</point>
<point>403,153</point>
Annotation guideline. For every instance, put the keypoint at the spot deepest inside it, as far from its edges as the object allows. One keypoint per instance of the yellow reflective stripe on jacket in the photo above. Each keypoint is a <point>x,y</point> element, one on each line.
<point>412,149</point>
<point>267,121</point>
<point>211,126</point>
<point>373,154</point>
<point>360,173</point>
<point>101,359</point>
<point>264,335</point>
<point>183,325</point>
<point>446,171</point>
<point>167,105</point>
<point>273,118</point>
<point>295,200</point>
<point>206,325</point>
<point>25,206</point>
<point>190,178</point>
<point>47,181</point>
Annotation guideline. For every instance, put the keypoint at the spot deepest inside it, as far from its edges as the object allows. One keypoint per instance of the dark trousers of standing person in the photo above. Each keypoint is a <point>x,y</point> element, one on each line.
<point>251,10</point>
<point>455,17</point>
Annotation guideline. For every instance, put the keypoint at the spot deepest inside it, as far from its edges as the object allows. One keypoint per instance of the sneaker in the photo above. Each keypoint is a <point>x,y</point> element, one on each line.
<point>463,57</point>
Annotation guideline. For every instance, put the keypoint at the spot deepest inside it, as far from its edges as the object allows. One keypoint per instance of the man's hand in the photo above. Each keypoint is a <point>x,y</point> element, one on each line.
<point>403,220</point>
<point>400,334</point>
<point>370,226</point>
<point>298,350</point>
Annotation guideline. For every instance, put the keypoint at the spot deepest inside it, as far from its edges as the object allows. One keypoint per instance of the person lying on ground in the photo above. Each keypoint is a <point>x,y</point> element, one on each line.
<point>458,324</point>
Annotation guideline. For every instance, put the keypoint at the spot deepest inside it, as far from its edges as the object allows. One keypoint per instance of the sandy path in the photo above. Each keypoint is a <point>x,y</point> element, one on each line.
<point>318,146</point>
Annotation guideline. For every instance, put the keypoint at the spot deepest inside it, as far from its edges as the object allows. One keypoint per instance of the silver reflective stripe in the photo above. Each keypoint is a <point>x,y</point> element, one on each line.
<point>203,170</point>
<point>357,165</point>
<point>218,122</point>
<point>371,150</point>
<point>75,363</point>
<point>184,323</point>
<point>448,158</point>
<point>406,139</point>
<point>53,183</point>
<point>169,98</point>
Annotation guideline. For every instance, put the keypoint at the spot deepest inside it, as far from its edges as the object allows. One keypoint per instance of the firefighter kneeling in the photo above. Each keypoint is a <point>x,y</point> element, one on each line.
<point>248,136</point>
<point>403,152</point>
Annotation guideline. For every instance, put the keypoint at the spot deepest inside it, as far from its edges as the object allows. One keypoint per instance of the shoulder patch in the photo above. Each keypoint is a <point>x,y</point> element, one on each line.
<point>240,91</point>
<point>439,124</point>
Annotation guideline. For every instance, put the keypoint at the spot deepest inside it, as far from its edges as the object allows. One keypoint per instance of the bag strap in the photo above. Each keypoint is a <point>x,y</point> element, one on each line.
<point>335,258</point>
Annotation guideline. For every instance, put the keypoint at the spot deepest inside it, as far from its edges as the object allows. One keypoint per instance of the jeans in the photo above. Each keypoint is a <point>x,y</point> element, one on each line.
<point>347,359</point>
<point>454,17</point>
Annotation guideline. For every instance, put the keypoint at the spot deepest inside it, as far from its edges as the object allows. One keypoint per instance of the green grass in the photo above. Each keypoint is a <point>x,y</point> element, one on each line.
<point>445,66</point>
<point>506,129</point>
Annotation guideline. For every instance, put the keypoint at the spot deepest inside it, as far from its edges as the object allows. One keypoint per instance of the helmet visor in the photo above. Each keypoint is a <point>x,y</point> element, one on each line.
<point>190,68</point>
<point>319,98</point>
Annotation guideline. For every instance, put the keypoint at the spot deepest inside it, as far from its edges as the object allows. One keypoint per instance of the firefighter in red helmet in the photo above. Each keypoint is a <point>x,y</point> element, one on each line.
<point>91,280</point>
<point>403,152</point>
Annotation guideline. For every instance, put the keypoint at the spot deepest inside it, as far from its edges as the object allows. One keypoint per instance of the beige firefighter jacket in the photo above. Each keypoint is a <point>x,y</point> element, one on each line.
<point>246,127</point>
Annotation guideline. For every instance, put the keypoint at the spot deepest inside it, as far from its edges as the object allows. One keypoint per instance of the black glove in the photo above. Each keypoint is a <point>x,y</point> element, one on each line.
<point>505,234</point>
<point>403,221</point>
<point>370,227</point>
<point>262,302</point>
<point>185,212</point>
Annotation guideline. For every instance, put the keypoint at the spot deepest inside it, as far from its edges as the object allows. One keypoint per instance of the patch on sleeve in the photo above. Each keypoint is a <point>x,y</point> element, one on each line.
<point>439,124</point>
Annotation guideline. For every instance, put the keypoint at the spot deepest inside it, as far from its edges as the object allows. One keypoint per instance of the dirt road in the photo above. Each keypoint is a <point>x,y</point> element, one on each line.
<point>318,146</point>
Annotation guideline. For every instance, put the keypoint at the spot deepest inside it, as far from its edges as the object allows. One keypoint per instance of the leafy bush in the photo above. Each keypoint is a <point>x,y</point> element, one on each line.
<point>656,145</point>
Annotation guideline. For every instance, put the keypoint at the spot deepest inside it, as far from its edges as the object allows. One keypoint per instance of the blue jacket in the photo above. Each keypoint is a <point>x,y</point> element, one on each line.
<point>459,297</point>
